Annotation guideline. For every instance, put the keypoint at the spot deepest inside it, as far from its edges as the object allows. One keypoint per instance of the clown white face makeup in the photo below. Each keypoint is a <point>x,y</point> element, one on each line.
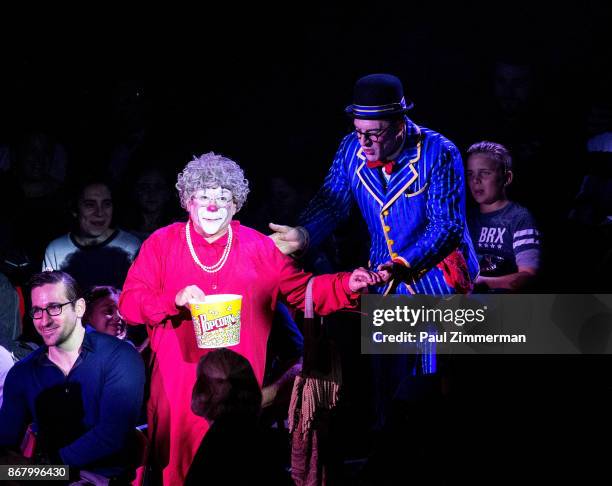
<point>211,211</point>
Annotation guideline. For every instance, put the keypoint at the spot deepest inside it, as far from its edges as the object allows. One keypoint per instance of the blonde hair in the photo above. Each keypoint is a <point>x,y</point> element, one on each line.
<point>495,151</point>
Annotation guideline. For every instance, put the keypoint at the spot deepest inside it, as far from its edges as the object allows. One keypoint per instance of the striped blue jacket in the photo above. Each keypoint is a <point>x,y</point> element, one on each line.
<point>418,219</point>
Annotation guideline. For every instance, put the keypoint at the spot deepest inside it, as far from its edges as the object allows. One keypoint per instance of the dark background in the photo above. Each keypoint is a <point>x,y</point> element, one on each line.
<point>268,86</point>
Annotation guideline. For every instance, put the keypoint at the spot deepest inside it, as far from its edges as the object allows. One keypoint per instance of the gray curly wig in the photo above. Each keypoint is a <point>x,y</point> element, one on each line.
<point>212,170</point>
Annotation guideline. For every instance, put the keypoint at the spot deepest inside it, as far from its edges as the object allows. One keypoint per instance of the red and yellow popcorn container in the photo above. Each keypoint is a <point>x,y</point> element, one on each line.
<point>216,321</point>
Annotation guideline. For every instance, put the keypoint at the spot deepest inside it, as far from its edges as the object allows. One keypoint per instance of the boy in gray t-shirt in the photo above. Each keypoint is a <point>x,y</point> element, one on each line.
<point>504,233</point>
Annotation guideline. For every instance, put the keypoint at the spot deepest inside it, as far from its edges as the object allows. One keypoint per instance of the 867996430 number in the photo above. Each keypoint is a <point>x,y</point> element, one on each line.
<point>33,472</point>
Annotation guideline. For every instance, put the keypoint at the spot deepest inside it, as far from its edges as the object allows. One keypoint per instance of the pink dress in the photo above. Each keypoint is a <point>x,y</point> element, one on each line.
<point>255,269</point>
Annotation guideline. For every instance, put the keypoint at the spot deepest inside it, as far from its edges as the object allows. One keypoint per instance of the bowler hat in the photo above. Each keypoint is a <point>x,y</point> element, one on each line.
<point>378,96</point>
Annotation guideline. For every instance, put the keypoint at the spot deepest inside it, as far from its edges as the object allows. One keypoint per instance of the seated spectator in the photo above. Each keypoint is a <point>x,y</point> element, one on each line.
<point>6,363</point>
<point>593,203</point>
<point>82,391</point>
<point>151,203</point>
<point>278,199</point>
<point>94,253</point>
<point>102,313</point>
<point>11,336</point>
<point>32,187</point>
<point>588,230</point>
<point>235,451</point>
<point>504,233</point>
<point>43,155</point>
<point>11,348</point>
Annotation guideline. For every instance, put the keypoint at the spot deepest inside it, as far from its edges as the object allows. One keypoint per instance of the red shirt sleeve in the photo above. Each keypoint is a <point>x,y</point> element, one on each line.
<point>330,293</point>
<point>142,299</point>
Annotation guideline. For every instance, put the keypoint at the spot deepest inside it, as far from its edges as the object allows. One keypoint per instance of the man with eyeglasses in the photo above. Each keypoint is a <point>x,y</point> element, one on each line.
<point>82,391</point>
<point>408,183</point>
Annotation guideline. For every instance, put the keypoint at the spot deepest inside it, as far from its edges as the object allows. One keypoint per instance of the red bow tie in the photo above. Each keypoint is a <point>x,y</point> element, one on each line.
<point>387,164</point>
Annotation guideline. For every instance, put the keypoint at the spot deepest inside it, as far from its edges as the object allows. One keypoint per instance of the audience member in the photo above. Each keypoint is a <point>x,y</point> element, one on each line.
<point>102,313</point>
<point>82,391</point>
<point>151,203</point>
<point>94,253</point>
<point>11,336</point>
<point>36,189</point>
<point>227,394</point>
<point>504,233</point>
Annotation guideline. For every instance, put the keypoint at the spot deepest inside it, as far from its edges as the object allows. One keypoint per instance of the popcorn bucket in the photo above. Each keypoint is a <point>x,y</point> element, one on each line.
<point>216,320</point>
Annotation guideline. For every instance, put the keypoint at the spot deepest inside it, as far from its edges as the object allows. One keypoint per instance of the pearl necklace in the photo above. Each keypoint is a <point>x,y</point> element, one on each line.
<point>217,266</point>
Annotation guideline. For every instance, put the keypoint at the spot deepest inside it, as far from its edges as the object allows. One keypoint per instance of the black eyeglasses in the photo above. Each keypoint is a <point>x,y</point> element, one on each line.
<point>374,136</point>
<point>52,309</point>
